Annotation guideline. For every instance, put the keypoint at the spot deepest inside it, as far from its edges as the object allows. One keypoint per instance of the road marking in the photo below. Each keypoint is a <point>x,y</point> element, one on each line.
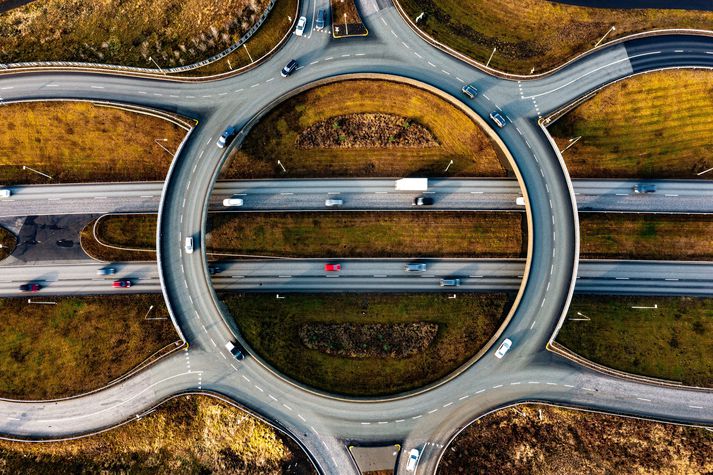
<point>621,278</point>
<point>678,51</point>
<point>643,399</point>
<point>405,45</point>
<point>284,276</point>
<point>314,62</point>
<point>382,20</point>
<point>224,357</point>
<point>231,365</point>
<point>476,276</point>
<point>97,87</point>
<point>187,97</point>
<point>445,72</point>
<point>588,389</point>
<point>380,275</point>
<point>239,90</point>
<point>486,96</point>
<point>157,94</point>
<point>533,382</point>
<point>431,64</point>
<point>259,388</point>
<point>480,391</point>
<point>360,54</point>
<point>498,386</point>
<point>300,416</point>
<point>382,422</point>
<point>671,279</point>
<point>399,420</point>
<point>395,35</point>
<point>245,378</point>
<point>255,85</point>
<point>432,411</point>
<point>147,196</point>
<point>515,383</point>
<point>172,95</point>
<point>287,407</point>
<point>446,405</point>
<point>696,407</point>
<point>670,195</point>
<point>417,417</point>
<point>271,79</point>
<point>366,423</point>
<point>100,197</point>
<point>459,79</point>
<point>463,397</point>
<point>52,85</point>
<point>567,385</point>
<point>285,193</point>
<point>551,384</point>
<point>213,342</point>
<point>272,397</point>
<point>533,325</point>
<point>53,199</point>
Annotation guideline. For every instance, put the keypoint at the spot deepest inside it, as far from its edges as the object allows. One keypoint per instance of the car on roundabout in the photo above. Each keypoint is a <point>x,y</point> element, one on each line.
<point>300,28</point>
<point>226,137</point>
<point>503,348</point>
<point>498,119</point>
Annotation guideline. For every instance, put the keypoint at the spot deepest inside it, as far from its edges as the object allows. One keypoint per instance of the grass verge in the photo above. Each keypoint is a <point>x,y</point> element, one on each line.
<point>346,20</point>
<point>633,129</point>
<point>641,236</point>
<point>672,341</point>
<point>275,136</point>
<point>270,33</point>
<point>272,327</point>
<point>79,344</point>
<point>187,435</point>
<point>76,142</point>
<point>133,231</point>
<point>537,34</point>
<point>126,32</point>
<point>8,241</point>
<point>542,439</point>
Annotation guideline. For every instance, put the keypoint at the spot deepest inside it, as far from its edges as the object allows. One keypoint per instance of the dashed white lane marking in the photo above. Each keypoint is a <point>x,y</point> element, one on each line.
<point>568,386</point>
<point>515,383</point>
<point>286,407</point>
<point>190,97</point>
<point>330,58</point>
<point>271,79</point>
<point>360,54</point>
<point>643,399</point>
<point>459,79</point>
<point>245,378</point>
<point>671,279</point>
<point>417,417</point>
<point>143,92</point>
<point>551,384</point>
<point>445,72</point>
<point>52,85</point>
<point>480,391</point>
<point>158,94</point>
<point>382,20</point>
<point>382,422</point>
<point>399,420</point>
<point>533,325</point>
<point>587,389</point>
<point>97,87</point>
<point>621,278</point>
<point>232,366</point>
<point>239,90</point>
<point>498,386</point>
<point>446,405</point>
<point>53,199</point>
<point>432,411</point>
<point>300,416</point>
<point>10,87</point>
<point>147,196</point>
<point>533,382</point>
<point>314,62</point>
<point>259,388</point>
<point>431,64</point>
<point>670,195</point>
<point>255,85</point>
<point>272,397</point>
<point>363,423</point>
<point>486,96</point>
<point>395,35</point>
<point>345,56</point>
<point>697,407</point>
<point>463,397</point>
<point>173,95</point>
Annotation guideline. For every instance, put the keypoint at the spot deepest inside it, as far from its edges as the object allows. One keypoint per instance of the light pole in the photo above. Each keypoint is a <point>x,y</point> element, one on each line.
<point>159,67</point>
<point>491,57</point>
<point>158,142</point>
<point>25,167</point>
<point>346,28</point>
<point>605,35</point>
<point>704,171</point>
<point>41,303</point>
<point>583,319</point>
<point>571,142</point>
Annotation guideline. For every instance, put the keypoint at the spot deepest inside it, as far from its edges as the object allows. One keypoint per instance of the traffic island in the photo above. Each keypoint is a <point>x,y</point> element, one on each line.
<point>346,20</point>
<point>188,434</point>
<point>55,347</point>
<point>543,439</point>
<point>658,337</point>
<point>381,344</point>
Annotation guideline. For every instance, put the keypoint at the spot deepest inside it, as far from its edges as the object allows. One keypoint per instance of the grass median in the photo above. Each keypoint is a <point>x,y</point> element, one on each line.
<point>353,234</point>
<point>76,142</point>
<point>672,341</point>
<point>8,241</point>
<point>276,137</point>
<point>542,439</point>
<point>78,344</point>
<point>656,125</point>
<point>125,32</point>
<point>272,328</point>
<point>536,34</point>
<point>188,435</point>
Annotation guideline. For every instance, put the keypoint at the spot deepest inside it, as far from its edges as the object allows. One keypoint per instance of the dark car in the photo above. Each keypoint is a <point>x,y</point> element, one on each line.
<point>321,17</point>
<point>423,201</point>
<point>226,137</point>
<point>289,68</point>
<point>31,287</point>
<point>212,270</point>
<point>644,188</point>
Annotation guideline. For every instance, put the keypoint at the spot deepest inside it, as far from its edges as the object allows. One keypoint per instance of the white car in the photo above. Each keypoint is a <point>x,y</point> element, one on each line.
<point>189,245</point>
<point>232,202</point>
<point>301,23</point>
<point>503,348</point>
<point>413,457</point>
<point>5,193</point>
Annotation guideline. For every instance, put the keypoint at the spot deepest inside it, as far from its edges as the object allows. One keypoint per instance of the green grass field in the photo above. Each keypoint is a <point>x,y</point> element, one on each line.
<point>673,341</point>
<point>537,34</point>
<point>274,137</point>
<point>657,125</point>
<point>78,344</point>
<point>188,435</point>
<point>76,142</point>
<point>271,327</point>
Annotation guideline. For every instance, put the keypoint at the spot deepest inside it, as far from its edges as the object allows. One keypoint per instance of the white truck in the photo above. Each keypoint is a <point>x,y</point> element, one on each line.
<point>412,184</point>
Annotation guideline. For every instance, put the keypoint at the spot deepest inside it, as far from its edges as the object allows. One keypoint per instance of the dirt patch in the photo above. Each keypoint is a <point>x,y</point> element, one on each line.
<point>369,341</point>
<point>366,131</point>
<point>8,241</point>
<point>544,440</point>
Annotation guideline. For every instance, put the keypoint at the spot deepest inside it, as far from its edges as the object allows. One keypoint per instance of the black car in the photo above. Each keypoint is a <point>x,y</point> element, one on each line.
<point>423,201</point>
<point>212,270</point>
<point>289,68</point>
<point>321,16</point>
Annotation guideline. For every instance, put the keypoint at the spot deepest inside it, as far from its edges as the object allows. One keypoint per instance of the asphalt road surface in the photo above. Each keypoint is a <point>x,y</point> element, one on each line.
<point>324,424</point>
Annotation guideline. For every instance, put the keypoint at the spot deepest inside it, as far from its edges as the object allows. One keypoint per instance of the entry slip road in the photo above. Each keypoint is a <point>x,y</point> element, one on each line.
<point>375,275</point>
<point>672,196</point>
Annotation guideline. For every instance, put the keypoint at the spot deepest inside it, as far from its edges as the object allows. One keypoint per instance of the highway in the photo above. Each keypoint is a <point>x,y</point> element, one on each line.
<point>672,196</point>
<point>324,424</point>
<point>368,275</point>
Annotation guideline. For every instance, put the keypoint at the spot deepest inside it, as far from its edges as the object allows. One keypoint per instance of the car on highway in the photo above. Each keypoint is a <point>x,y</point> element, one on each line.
<point>332,267</point>
<point>503,348</point>
<point>450,282</point>
<point>498,119</point>
<point>212,270</point>
<point>333,202</point>
<point>520,201</point>
<point>644,188</point>
<point>236,350</point>
<point>423,201</point>
<point>30,287</point>
<point>412,461</point>
<point>232,202</point>
<point>415,267</point>
<point>106,271</point>
<point>227,136</point>
<point>5,193</point>
<point>469,91</point>
<point>188,245</point>
<point>123,283</point>
<point>321,20</point>
<point>300,28</point>
<point>289,68</point>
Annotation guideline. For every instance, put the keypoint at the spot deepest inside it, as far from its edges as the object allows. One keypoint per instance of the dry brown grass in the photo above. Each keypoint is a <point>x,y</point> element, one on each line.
<point>346,20</point>
<point>274,137</point>
<point>8,241</point>
<point>363,234</point>
<point>79,142</point>
<point>637,236</point>
<point>187,435</point>
<point>536,33</point>
<point>544,440</point>
<point>79,344</point>
<point>657,125</point>
<point>126,32</point>
<point>135,231</point>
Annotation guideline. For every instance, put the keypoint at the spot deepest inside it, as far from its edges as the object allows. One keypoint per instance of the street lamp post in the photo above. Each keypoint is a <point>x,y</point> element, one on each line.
<point>605,35</point>
<point>491,57</point>
<point>571,142</point>
<point>158,142</point>
<point>159,67</point>
<point>25,167</point>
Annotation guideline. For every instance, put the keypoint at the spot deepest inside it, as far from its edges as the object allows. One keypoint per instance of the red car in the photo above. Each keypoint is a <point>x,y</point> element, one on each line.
<point>122,283</point>
<point>332,267</point>
<point>31,287</point>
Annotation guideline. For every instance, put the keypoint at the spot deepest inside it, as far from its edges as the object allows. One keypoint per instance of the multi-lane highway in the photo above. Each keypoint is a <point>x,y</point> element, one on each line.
<point>367,275</point>
<point>321,423</point>
<point>671,196</point>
